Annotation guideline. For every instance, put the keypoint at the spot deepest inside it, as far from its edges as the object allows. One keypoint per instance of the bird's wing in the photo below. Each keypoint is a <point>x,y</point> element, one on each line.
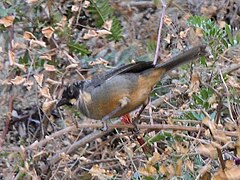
<point>136,67</point>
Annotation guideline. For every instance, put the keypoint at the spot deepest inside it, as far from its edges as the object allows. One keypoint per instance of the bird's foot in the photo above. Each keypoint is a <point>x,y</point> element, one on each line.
<point>104,126</point>
<point>134,123</point>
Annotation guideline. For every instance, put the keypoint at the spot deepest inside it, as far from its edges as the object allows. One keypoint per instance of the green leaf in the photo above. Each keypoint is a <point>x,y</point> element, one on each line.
<point>39,62</point>
<point>24,59</point>
<point>195,115</point>
<point>101,11</point>
<point>160,137</point>
<point>151,46</point>
<point>116,30</point>
<point>149,178</point>
<point>229,34</point>
<point>197,99</point>
<point>238,37</point>
<point>218,38</point>
<point>203,61</point>
<point>225,43</point>
<point>204,94</point>
<point>78,48</point>
<point>5,12</point>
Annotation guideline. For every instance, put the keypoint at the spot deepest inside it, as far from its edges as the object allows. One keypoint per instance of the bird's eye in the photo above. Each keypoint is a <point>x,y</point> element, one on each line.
<point>71,91</point>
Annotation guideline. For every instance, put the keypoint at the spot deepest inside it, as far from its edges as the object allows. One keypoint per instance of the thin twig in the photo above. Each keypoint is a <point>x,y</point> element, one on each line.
<point>148,128</point>
<point>228,94</point>
<point>131,159</point>
<point>159,32</point>
<point>73,147</point>
<point>156,127</point>
<point>8,120</point>
<point>169,95</point>
<point>193,138</point>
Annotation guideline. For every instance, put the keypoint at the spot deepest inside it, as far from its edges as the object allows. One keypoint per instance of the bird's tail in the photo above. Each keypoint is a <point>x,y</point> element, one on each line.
<point>184,57</point>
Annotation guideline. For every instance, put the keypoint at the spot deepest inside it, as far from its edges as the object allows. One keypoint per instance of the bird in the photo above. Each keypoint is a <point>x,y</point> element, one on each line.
<point>122,90</point>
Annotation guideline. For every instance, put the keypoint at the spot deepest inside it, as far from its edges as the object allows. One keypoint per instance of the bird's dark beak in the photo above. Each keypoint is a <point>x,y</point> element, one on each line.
<point>62,102</point>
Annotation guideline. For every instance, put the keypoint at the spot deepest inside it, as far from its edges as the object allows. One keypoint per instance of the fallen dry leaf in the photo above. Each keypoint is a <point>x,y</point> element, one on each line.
<point>208,11</point>
<point>99,172</point>
<point>48,32</point>
<point>72,66</point>
<point>47,106</point>
<point>155,158</point>
<point>199,32</point>
<point>229,164</point>
<point>62,22</point>
<point>163,170</point>
<point>220,175</point>
<point>45,93</point>
<point>238,146</point>
<point>167,20</point>
<point>195,82</point>
<point>205,169</point>
<point>171,170</point>
<point>221,137</point>
<point>213,100</point>
<point>31,1</point>
<point>149,170</point>
<point>18,45</point>
<point>50,81</point>
<point>179,167</point>
<point>233,173</point>
<point>90,34</point>
<point>28,84</point>
<point>98,61</point>
<point>216,145</point>
<point>6,82</point>
<point>7,21</point>
<point>180,148</point>
<point>28,35</point>
<point>121,158</point>
<point>233,82</point>
<point>11,57</point>
<point>46,56</point>
<point>103,32</point>
<point>36,43</point>
<point>18,80</point>
<point>168,38</point>
<point>230,126</point>
<point>39,79</point>
<point>107,25</point>
<point>210,124</point>
<point>206,176</point>
<point>21,66</point>
<point>189,165</point>
<point>207,150</point>
<point>50,68</point>
<point>183,34</point>
<point>222,24</point>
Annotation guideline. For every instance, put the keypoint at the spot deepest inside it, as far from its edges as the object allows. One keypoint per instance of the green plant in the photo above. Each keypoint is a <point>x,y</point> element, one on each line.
<point>78,48</point>
<point>101,11</point>
<point>217,38</point>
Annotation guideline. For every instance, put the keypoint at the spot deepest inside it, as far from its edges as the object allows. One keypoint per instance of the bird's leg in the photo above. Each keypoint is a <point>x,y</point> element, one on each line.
<point>137,117</point>
<point>122,103</point>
